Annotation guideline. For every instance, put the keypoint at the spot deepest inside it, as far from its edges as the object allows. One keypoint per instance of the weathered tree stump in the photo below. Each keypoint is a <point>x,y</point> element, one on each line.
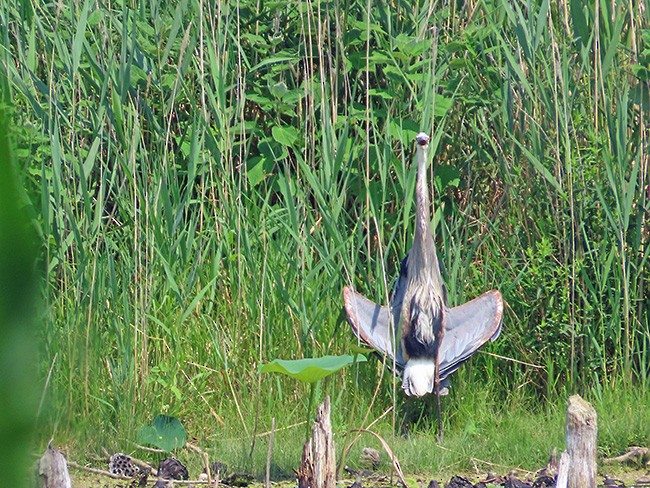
<point>577,467</point>
<point>53,470</point>
<point>318,465</point>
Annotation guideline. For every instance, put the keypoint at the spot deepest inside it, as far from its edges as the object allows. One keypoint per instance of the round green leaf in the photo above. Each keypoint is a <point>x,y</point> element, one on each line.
<point>164,432</point>
<point>310,370</point>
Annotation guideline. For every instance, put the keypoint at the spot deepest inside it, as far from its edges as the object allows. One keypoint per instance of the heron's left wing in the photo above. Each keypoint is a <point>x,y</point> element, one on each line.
<point>372,325</point>
<point>467,328</point>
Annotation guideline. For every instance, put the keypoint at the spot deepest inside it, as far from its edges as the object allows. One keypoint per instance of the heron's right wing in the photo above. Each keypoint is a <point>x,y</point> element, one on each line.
<point>372,325</point>
<point>467,328</point>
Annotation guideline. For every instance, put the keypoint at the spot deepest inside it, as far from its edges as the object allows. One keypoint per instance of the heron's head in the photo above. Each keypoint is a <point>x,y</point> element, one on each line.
<point>422,139</point>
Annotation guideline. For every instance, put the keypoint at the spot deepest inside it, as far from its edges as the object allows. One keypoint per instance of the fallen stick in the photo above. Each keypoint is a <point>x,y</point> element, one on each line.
<point>634,453</point>
<point>98,471</point>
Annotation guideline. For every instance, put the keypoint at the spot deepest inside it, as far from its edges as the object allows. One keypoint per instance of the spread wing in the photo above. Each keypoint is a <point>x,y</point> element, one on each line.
<point>372,325</point>
<point>467,328</point>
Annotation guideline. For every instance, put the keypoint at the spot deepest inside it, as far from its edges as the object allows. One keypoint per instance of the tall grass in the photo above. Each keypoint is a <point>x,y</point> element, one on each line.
<point>206,177</point>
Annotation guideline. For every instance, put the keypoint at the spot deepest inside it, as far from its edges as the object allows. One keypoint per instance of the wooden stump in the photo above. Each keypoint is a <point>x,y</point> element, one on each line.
<point>578,464</point>
<point>53,469</point>
<point>318,465</point>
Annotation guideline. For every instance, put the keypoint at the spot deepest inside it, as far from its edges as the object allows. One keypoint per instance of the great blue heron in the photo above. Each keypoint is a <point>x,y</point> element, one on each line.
<point>434,340</point>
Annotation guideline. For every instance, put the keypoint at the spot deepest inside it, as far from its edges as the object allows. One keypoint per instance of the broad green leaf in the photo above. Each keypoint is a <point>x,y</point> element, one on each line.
<point>310,370</point>
<point>284,135</point>
<point>543,170</point>
<point>164,432</point>
<point>89,162</point>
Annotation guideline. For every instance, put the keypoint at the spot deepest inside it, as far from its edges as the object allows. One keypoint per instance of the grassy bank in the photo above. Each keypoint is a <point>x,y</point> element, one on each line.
<point>204,179</point>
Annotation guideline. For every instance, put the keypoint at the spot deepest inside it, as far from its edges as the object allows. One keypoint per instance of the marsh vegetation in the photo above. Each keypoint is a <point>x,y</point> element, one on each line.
<point>205,177</point>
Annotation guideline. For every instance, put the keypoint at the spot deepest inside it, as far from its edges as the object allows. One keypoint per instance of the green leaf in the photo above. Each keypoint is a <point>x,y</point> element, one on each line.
<point>271,151</point>
<point>80,34</point>
<point>580,21</point>
<point>358,349</point>
<point>381,93</point>
<point>164,432</point>
<point>278,89</point>
<point>443,104</point>
<point>447,175</point>
<point>310,370</point>
<point>543,170</point>
<point>284,135</point>
<point>255,170</point>
<point>283,59</point>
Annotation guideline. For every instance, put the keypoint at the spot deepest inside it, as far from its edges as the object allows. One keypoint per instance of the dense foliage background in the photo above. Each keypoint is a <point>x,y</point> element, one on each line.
<point>205,177</point>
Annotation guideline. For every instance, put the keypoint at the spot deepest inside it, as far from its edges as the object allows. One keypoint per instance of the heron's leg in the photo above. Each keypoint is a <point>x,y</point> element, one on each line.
<point>440,434</point>
<point>436,390</point>
<point>406,421</point>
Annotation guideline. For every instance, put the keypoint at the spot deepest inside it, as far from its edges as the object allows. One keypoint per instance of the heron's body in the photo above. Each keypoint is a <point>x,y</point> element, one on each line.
<point>434,340</point>
<point>422,313</point>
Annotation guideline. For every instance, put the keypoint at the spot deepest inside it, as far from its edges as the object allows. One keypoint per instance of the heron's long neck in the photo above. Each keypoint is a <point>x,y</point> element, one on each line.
<point>424,240</point>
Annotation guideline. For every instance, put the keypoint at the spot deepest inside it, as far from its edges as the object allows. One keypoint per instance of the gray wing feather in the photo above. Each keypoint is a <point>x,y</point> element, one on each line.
<point>371,324</point>
<point>467,328</point>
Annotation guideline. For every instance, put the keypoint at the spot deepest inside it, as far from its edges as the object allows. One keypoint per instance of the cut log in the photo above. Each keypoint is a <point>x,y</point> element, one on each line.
<point>318,465</point>
<point>53,469</point>
<point>577,467</point>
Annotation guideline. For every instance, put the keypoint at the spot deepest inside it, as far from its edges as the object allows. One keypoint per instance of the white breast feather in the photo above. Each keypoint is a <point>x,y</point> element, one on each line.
<point>418,378</point>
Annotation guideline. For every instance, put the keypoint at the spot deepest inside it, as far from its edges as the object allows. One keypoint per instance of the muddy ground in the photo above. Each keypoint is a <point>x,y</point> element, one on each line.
<point>612,476</point>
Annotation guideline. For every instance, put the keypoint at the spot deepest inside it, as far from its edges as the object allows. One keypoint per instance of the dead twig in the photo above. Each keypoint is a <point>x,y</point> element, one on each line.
<point>150,449</point>
<point>98,471</point>
<point>389,451</point>
<point>513,360</point>
<point>475,460</point>
<point>346,450</point>
<point>634,453</point>
<point>204,457</point>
